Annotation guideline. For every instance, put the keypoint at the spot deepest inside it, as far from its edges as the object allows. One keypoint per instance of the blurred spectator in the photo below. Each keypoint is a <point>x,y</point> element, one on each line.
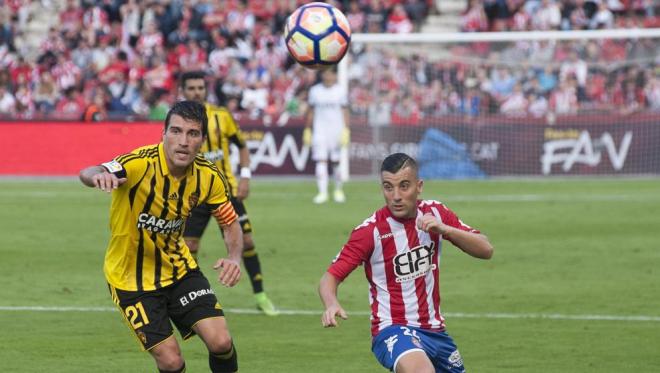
<point>46,93</point>
<point>564,101</point>
<point>548,17</point>
<point>652,92</point>
<point>515,104</point>
<point>406,113</point>
<point>255,98</point>
<point>576,68</point>
<point>603,19</point>
<point>158,106</point>
<point>380,112</point>
<point>538,105</point>
<point>99,45</point>
<point>71,106</point>
<point>7,101</point>
<point>376,16</point>
<point>398,21</point>
<point>357,19</point>
<point>475,18</point>
<point>97,110</point>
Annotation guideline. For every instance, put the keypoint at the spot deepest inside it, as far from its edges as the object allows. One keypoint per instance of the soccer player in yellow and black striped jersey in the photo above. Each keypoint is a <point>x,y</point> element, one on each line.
<point>223,130</point>
<point>151,274</point>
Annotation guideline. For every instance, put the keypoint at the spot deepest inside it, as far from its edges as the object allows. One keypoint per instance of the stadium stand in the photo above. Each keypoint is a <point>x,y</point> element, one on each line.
<point>115,59</point>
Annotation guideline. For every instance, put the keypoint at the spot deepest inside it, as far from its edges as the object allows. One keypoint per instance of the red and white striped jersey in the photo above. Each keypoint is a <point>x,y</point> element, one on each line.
<point>401,263</point>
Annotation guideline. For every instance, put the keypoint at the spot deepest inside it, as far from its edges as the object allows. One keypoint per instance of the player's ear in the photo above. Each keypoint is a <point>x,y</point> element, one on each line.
<point>420,185</point>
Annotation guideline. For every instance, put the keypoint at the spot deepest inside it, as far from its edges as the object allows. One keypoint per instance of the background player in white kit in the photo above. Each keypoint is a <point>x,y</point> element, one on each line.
<point>399,246</point>
<point>327,130</point>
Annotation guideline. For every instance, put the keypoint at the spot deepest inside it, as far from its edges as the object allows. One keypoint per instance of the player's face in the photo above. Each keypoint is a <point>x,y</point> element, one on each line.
<point>194,90</point>
<point>181,140</point>
<point>401,190</point>
<point>329,78</point>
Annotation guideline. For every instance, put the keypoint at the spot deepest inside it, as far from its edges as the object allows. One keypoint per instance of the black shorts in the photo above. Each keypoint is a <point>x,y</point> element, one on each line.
<point>200,216</point>
<point>148,313</point>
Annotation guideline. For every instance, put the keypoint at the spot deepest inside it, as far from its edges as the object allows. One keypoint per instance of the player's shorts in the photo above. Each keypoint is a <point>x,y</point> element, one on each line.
<point>326,149</point>
<point>200,216</point>
<point>148,313</point>
<point>396,341</point>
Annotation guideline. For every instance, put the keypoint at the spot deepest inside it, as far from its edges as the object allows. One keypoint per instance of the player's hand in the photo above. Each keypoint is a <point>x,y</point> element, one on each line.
<point>107,182</point>
<point>345,137</point>
<point>307,136</point>
<point>429,223</point>
<point>229,271</point>
<point>243,188</point>
<point>328,319</point>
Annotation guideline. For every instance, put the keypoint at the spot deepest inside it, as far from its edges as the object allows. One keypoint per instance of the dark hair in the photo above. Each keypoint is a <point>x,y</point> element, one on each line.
<point>190,75</point>
<point>397,161</point>
<point>191,111</point>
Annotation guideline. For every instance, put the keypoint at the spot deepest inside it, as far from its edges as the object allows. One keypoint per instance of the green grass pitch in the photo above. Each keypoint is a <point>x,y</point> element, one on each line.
<point>562,247</point>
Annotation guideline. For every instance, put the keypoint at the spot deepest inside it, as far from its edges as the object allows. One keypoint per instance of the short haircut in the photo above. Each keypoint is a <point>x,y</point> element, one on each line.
<point>191,75</point>
<point>397,161</point>
<point>190,111</point>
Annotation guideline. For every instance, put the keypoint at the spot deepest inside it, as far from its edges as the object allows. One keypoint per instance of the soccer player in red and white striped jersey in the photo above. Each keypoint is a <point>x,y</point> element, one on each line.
<point>399,246</point>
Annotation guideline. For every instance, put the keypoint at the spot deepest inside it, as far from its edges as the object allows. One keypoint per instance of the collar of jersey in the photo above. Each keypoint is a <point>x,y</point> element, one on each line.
<point>163,163</point>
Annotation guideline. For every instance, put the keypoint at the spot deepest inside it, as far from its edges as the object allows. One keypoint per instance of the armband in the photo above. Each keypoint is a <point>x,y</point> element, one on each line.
<point>115,168</point>
<point>246,173</point>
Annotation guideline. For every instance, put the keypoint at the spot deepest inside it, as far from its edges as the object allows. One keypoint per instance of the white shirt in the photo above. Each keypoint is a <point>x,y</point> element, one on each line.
<point>328,104</point>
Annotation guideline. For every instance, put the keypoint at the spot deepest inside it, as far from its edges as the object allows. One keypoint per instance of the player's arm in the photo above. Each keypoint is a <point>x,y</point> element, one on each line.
<point>245,173</point>
<point>328,293</point>
<point>107,177</point>
<point>355,252</point>
<point>225,215</point>
<point>346,131</point>
<point>229,267</point>
<point>475,244</point>
<point>309,120</point>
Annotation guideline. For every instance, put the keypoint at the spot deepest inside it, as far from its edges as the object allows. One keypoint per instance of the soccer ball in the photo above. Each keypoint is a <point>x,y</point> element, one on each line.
<point>317,35</point>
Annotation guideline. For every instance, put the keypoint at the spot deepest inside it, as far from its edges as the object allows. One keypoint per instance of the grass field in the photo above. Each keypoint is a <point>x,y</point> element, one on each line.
<point>575,261</point>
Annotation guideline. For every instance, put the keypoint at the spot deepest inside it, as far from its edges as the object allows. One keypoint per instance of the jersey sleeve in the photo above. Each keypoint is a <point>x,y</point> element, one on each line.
<point>129,166</point>
<point>311,99</point>
<point>449,217</point>
<point>343,100</point>
<point>219,189</point>
<point>234,133</point>
<point>356,251</point>
<point>218,200</point>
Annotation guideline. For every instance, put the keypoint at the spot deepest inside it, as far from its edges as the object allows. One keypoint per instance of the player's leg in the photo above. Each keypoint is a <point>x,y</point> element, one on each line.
<point>195,225</point>
<point>251,260</point>
<point>216,337</point>
<point>338,194</point>
<point>320,156</point>
<point>194,309</point>
<point>399,349</point>
<point>146,314</point>
<point>414,362</point>
<point>168,356</point>
<point>253,268</point>
<point>442,350</point>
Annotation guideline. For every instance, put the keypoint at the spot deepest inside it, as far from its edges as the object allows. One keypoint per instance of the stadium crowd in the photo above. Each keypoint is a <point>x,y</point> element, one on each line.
<point>99,59</point>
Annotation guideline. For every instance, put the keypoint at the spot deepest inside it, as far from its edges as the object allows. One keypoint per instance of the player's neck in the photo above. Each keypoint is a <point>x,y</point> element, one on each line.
<point>176,171</point>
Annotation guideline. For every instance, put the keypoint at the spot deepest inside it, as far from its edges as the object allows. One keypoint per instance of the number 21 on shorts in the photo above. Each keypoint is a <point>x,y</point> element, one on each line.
<point>136,315</point>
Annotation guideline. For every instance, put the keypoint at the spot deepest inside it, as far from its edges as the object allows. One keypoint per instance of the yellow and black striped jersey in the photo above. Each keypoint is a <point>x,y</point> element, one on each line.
<point>147,214</point>
<point>222,129</point>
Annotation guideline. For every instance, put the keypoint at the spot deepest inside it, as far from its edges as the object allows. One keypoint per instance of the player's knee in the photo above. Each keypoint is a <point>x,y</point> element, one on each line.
<point>220,344</point>
<point>181,369</point>
<point>169,361</point>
